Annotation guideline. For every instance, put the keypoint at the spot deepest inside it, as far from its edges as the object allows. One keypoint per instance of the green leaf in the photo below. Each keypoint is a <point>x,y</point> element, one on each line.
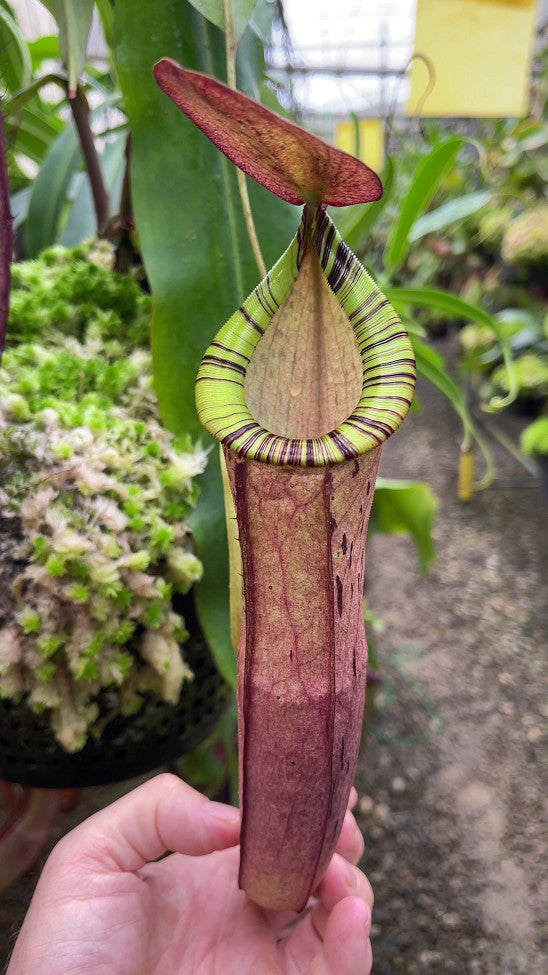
<point>534,439</point>
<point>35,131</point>
<point>74,22</point>
<point>406,506</point>
<point>440,300</point>
<point>431,366</point>
<point>20,98</point>
<point>16,59</point>
<point>44,49</point>
<point>208,525</point>
<point>195,249</point>
<point>49,191</point>
<point>426,179</point>
<point>355,223</point>
<point>105,9</point>
<point>448,213</point>
<point>213,10</point>
<point>457,308</point>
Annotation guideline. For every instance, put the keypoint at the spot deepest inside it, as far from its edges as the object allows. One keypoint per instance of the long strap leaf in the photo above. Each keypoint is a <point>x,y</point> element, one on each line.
<point>455,307</point>
<point>427,177</point>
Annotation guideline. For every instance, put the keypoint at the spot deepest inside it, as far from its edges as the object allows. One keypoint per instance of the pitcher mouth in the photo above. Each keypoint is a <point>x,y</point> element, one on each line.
<point>387,362</point>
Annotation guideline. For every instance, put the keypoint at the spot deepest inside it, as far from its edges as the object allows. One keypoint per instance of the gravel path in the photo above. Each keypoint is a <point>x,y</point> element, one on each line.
<point>451,774</point>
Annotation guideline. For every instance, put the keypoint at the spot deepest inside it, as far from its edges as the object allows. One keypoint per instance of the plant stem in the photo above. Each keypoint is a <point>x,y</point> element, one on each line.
<point>80,114</point>
<point>230,45</point>
<point>6,237</point>
<point>125,223</point>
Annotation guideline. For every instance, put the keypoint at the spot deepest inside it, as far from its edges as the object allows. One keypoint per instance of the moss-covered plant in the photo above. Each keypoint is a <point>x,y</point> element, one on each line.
<point>93,501</point>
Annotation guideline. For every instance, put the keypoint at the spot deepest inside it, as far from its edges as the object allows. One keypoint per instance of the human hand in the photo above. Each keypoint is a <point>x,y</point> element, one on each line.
<point>106,905</point>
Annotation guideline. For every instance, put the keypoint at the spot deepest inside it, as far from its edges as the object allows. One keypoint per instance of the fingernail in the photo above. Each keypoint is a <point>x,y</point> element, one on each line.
<point>228,815</point>
<point>352,877</point>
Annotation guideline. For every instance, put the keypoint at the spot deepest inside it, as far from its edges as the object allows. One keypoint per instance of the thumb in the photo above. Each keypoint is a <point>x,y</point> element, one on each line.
<point>162,815</point>
<point>346,947</point>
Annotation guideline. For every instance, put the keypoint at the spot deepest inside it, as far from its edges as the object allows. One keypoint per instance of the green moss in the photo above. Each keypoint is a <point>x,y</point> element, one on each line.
<point>30,621</point>
<point>85,459</point>
<point>49,645</point>
<point>68,290</point>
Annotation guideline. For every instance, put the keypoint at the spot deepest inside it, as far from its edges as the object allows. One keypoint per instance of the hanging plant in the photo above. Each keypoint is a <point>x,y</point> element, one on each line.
<point>302,386</point>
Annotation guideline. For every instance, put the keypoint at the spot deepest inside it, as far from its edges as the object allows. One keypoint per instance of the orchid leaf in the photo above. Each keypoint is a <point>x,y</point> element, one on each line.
<point>291,163</point>
<point>20,98</point>
<point>443,301</point>
<point>426,179</point>
<point>250,65</point>
<point>74,23</point>
<point>301,441</point>
<point>431,366</point>
<point>19,204</point>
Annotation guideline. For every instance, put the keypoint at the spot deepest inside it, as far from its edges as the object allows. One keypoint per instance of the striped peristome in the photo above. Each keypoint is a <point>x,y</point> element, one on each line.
<point>387,361</point>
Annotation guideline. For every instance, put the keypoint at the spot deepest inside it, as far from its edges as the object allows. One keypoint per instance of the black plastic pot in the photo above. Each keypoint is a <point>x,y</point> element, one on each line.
<point>158,734</point>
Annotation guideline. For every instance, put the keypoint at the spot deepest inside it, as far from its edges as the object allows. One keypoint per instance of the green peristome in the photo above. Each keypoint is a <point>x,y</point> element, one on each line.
<point>387,361</point>
<point>301,508</point>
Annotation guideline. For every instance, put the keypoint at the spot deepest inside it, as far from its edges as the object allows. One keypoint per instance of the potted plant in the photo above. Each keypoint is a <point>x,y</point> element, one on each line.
<point>96,557</point>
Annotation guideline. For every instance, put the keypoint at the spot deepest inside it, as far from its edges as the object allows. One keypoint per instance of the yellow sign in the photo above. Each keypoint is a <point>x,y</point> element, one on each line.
<point>364,139</point>
<point>473,58</point>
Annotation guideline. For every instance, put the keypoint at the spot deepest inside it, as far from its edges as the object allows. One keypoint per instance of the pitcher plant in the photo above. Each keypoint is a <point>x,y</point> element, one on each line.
<point>302,386</point>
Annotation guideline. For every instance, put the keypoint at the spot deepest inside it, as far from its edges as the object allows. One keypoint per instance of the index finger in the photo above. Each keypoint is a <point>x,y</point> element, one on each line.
<point>162,815</point>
